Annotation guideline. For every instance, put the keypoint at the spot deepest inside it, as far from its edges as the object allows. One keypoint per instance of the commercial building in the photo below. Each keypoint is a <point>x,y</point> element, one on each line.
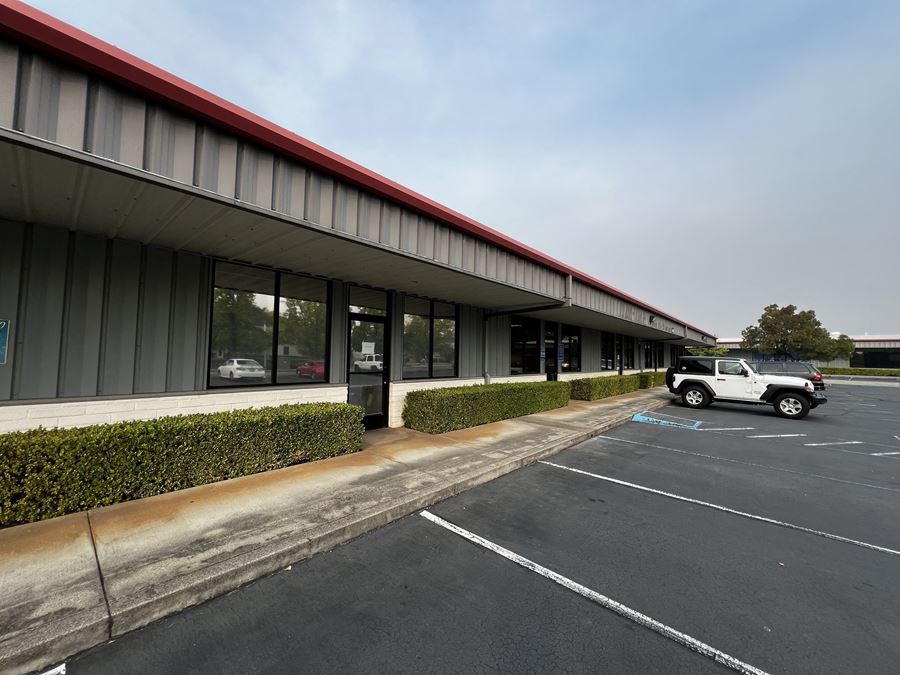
<point>872,351</point>
<point>163,251</point>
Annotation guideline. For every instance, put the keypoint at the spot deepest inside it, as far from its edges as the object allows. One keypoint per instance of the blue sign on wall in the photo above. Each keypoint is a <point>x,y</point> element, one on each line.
<point>561,355</point>
<point>4,339</point>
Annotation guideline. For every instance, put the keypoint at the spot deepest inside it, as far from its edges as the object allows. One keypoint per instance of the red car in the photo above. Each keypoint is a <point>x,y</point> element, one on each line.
<point>312,369</point>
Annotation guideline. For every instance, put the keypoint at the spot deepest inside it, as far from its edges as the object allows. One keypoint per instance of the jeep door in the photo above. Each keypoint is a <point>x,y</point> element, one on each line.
<point>732,380</point>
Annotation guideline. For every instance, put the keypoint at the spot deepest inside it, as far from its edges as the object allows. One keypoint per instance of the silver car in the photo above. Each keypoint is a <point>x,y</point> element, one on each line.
<point>241,369</point>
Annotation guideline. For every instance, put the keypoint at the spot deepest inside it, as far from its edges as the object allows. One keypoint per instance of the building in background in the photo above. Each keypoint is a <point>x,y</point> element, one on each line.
<point>872,351</point>
<point>163,251</point>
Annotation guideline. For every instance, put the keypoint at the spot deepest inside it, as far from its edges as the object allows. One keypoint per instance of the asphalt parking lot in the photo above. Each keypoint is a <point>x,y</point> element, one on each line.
<point>753,544</point>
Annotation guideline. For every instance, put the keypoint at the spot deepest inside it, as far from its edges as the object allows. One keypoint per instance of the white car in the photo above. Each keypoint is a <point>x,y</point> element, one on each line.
<point>241,369</point>
<point>700,380</point>
<point>369,362</point>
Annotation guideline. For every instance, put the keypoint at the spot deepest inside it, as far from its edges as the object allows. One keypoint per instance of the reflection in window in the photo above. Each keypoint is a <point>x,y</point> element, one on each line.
<point>242,323</point>
<point>570,338</point>
<point>628,352</point>
<point>524,356</point>
<point>244,347</point>
<point>429,339</point>
<point>607,351</point>
<point>302,330</point>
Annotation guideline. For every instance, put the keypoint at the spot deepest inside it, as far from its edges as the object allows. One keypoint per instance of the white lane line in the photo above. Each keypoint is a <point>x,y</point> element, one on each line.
<point>753,464</point>
<point>729,429</point>
<point>897,437</point>
<point>883,454</point>
<point>725,509</point>
<point>777,436</point>
<point>59,670</point>
<point>813,445</point>
<point>622,610</point>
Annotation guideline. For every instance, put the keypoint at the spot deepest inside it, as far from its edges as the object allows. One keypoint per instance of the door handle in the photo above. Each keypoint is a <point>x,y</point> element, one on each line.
<point>720,379</point>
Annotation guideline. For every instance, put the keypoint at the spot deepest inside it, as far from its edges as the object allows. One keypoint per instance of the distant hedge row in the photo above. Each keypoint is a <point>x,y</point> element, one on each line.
<point>51,472</point>
<point>885,372</point>
<point>436,411</point>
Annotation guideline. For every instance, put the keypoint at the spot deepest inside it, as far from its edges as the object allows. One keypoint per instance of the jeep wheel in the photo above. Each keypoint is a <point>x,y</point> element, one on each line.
<point>695,397</point>
<point>791,406</point>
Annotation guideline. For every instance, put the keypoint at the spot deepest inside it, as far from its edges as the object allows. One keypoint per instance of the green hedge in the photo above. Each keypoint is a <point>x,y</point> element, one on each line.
<point>592,388</point>
<point>885,372</point>
<point>51,472</point>
<point>436,411</point>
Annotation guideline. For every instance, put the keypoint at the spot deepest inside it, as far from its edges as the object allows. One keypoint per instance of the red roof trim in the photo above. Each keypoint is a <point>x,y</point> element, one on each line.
<point>55,37</point>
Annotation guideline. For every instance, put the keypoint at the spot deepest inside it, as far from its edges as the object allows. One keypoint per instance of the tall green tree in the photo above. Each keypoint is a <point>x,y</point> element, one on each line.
<point>302,324</point>
<point>784,332</point>
<point>708,351</point>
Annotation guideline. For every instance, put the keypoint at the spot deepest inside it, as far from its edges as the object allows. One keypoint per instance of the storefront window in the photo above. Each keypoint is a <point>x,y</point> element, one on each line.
<point>607,351</point>
<point>571,343</point>
<point>302,330</point>
<point>627,352</point>
<point>525,338</point>
<point>648,355</point>
<point>250,344</point>
<point>429,339</point>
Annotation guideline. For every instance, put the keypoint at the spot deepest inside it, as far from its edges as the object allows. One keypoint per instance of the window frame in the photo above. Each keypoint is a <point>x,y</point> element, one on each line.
<point>329,309</point>
<point>430,357</point>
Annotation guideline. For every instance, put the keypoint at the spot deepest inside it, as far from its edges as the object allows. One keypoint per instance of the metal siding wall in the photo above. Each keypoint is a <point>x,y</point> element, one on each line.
<point>152,349</point>
<point>498,341</point>
<point>187,343</point>
<point>471,339</point>
<point>9,70</point>
<point>11,240</point>
<point>116,125</point>
<point>216,162</point>
<point>120,331</point>
<point>346,209</point>
<point>256,169</point>
<point>169,145</point>
<point>390,225</point>
<point>369,220</point>
<point>289,188</point>
<point>426,238</point>
<point>80,360</point>
<point>409,231</point>
<point>590,351</point>
<point>319,199</point>
<point>38,340</point>
<point>337,370</point>
<point>395,301</point>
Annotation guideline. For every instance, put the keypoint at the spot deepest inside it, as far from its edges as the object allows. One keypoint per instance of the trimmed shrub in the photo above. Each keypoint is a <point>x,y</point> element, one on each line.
<point>436,411</point>
<point>51,472</point>
<point>645,380</point>
<point>593,388</point>
<point>659,378</point>
<point>884,372</point>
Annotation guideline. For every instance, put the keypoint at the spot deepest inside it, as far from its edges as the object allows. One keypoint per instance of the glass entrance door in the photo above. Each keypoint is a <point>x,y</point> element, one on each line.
<point>367,369</point>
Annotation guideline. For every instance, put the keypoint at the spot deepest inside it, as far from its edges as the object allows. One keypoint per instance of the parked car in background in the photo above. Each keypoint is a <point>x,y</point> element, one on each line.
<point>369,362</point>
<point>792,369</point>
<point>241,369</point>
<point>312,369</point>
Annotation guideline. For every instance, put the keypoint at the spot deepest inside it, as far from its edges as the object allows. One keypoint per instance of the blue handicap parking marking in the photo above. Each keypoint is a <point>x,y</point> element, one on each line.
<point>645,418</point>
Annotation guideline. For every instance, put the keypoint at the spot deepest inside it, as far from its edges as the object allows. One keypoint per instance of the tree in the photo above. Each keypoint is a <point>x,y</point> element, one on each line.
<point>708,351</point>
<point>786,333</point>
<point>241,328</point>
<point>302,324</point>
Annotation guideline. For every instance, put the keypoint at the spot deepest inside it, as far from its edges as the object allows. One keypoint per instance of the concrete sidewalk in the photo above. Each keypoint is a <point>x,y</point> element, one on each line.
<point>73,582</point>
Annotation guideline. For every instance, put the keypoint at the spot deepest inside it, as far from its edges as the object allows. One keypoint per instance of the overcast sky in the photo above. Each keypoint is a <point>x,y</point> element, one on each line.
<point>710,157</point>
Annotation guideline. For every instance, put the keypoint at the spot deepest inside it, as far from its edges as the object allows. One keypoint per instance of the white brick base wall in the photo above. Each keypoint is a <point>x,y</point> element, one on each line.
<point>603,373</point>
<point>84,413</point>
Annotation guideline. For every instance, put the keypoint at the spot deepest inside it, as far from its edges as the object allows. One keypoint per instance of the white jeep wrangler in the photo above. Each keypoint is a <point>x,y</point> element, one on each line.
<point>700,380</point>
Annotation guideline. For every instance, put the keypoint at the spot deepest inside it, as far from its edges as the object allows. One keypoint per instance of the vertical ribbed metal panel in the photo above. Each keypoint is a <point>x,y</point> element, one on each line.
<point>216,162</point>
<point>9,72</point>
<point>190,300</point>
<point>396,319</point>
<point>590,351</point>
<point>169,145</point>
<point>426,238</point>
<point>320,199</point>
<point>38,337</point>
<point>468,254</point>
<point>456,248</point>
<point>390,225</point>
<point>80,359</point>
<point>11,240</point>
<point>120,313</point>
<point>501,265</point>
<point>255,171</point>
<point>346,208</point>
<point>369,220</point>
<point>409,231</point>
<point>471,341</point>
<point>442,244</point>
<point>289,189</point>
<point>152,348</point>
<point>498,337</point>
<point>52,102</point>
<point>481,258</point>
<point>115,125</point>
<point>340,328</point>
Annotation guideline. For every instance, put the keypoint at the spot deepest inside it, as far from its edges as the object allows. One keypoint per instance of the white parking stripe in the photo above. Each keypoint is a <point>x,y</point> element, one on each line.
<point>59,670</point>
<point>632,615</point>
<point>835,443</point>
<point>729,429</point>
<point>777,436</point>
<point>753,464</point>
<point>883,454</point>
<point>751,516</point>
